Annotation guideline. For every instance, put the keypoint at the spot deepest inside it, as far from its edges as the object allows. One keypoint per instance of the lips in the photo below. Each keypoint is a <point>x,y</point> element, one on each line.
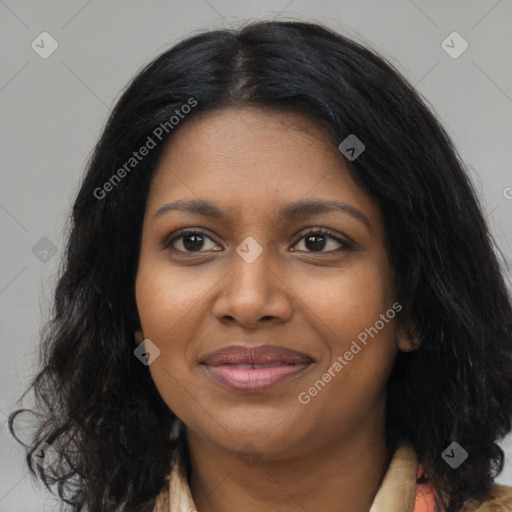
<point>255,368</point>
<point>261,355</point>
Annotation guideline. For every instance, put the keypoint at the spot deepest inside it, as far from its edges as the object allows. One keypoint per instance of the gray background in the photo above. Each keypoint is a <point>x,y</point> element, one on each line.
<point>53,110</point>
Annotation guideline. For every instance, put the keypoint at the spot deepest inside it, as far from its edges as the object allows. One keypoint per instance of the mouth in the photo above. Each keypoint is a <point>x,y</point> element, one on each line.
<point>254,369</point>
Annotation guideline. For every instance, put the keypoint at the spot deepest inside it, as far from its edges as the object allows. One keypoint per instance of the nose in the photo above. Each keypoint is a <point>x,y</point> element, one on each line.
<point>252,293</point>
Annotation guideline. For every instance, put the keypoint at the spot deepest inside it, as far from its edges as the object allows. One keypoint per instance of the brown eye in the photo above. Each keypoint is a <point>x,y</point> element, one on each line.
<point>189,241</point>
<point>316,240</point>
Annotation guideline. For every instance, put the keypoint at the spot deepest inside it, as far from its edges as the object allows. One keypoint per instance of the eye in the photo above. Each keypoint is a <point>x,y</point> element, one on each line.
<point>315,240</point>
<point>192,240</point>
<point>195,241</point>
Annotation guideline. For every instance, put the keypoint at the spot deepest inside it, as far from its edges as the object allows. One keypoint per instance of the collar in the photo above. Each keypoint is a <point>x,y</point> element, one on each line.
<point>396,492</point>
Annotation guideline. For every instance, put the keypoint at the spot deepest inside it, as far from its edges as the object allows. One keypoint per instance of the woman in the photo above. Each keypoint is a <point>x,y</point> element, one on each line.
<point>279,293</point>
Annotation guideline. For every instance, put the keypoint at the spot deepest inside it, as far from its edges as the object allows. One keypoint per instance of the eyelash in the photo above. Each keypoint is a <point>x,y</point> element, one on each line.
<point>345,244</point>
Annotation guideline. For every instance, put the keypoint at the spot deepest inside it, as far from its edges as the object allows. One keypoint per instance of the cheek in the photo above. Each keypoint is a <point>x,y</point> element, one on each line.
<point>354,313</point>
<point>169,306</point>
<point>349,302</point>
<point>168,299</point>
<point>165,302</point>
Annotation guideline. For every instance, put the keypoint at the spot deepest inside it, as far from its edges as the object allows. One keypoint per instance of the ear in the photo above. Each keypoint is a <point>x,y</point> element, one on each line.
<point>139,337</point>
<point>406,340</point>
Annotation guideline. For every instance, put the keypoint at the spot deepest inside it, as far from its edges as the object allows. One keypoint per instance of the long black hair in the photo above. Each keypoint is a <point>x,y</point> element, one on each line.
<point>98,406</point>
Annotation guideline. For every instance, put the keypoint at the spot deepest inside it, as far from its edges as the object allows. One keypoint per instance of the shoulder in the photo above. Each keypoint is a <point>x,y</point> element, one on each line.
<point>162,503</point>
<point>498,499</point>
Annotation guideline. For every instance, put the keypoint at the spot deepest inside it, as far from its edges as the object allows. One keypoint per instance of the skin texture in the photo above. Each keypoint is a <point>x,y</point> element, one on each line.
<point>329,454</point>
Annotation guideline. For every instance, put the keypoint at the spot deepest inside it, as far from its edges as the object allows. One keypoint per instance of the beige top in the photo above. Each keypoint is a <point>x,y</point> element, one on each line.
<point>396,493</point>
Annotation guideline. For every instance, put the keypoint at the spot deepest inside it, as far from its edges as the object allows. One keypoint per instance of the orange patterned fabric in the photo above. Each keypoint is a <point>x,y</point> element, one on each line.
<point>424,500</point>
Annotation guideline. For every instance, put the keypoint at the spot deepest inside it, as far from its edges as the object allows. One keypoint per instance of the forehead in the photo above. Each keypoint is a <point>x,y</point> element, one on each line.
<point>249,138</point>
<point>250,160</point>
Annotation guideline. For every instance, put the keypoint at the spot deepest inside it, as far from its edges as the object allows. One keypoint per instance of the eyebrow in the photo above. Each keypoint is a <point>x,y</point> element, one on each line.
<point>290,211</point>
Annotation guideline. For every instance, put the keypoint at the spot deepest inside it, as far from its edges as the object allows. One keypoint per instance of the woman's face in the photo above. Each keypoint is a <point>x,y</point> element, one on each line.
<point>311,314</point>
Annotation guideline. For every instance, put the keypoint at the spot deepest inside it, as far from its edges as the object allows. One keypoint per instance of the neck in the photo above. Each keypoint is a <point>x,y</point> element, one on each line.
<point>342,475</point>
